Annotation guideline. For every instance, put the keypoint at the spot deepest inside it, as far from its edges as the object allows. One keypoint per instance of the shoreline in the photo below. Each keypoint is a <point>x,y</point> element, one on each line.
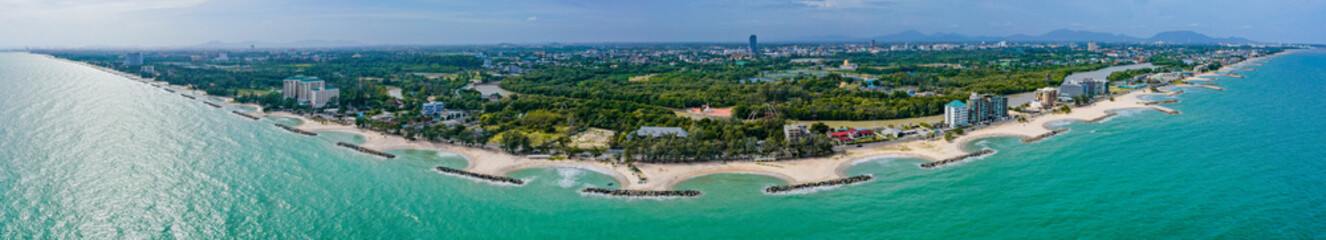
<point>792,172</point>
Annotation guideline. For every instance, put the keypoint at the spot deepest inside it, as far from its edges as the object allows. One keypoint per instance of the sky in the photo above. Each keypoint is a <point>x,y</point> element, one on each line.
<point>168,23</point>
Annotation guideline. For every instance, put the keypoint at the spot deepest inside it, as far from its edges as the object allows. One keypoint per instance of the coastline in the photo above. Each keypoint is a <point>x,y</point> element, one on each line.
<point>667,176</point>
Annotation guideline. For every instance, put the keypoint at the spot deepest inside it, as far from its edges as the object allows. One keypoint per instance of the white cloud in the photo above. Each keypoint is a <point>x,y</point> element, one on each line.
<point>843,4</point>
<point>90,6</point>
<point>532,18</point>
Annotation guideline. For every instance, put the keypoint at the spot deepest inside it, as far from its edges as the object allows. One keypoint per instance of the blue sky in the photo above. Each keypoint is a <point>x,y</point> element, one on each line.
<point>152,23</point>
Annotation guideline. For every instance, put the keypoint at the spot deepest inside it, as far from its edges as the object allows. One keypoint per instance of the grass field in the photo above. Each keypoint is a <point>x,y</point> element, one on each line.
<point>253,92</point>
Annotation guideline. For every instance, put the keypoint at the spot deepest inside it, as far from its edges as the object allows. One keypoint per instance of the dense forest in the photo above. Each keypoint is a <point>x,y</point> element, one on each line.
<point>808,97</point>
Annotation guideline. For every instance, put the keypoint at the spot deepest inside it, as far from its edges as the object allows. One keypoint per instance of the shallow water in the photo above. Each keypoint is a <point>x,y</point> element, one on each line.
<point>85,154</point>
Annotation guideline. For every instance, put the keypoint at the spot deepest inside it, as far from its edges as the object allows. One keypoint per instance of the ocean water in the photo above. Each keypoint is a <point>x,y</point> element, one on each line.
<point>86,154</point>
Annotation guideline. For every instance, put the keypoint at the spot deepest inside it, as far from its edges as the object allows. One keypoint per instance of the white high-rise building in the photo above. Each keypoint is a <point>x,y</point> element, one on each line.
<point>309,90</point>
<point>319,97</point>
<point>956,114</point>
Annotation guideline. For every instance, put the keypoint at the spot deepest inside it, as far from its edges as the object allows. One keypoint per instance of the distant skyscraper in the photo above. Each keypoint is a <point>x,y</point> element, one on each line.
<point>1091,46</point>
<point>133,59</point>
<point>752,44</point>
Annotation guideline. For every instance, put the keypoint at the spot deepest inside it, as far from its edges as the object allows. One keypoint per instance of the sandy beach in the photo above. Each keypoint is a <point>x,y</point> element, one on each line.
<point>666,176</point>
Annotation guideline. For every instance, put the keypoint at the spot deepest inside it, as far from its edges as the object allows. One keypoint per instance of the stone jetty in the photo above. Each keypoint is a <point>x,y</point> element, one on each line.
<point>296,130</point>
<point>245,115</point>
<point>168,89</point>
<point>1102,118</point>
<point>835,182</point>
<point>189,97</point>
<point>1174,93</point>
<point>1166,110</point>
<point>956,159</point>
<point>1161,102</point>
<point>1211,87</point>
<point>365,150</point>
<point>641,193</point>
<point>212,104</point>
<point>1046,135</point>
<point>480,176</point>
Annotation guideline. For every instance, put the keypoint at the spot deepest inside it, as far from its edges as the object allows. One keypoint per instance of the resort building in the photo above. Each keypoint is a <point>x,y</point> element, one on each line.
<point>987,108</point>
<point>309,90</point>
<point>1090,87</point>
<point>432,108</point>
<point>795,131</point>
<point>956,114</point>
<point>1047,97</point>
<point>660,131</point>
<point>851,134</point>
<point>319,97</point>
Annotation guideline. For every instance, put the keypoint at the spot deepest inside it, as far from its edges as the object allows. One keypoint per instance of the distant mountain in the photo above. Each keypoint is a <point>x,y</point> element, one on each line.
<point>1061,35</point>
<point>1065,35</point>
<point>1194,37</point>
<point>297,44</point>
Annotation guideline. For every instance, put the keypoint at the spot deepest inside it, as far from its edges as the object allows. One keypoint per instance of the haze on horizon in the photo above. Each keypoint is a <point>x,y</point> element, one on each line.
<point>169,23</point>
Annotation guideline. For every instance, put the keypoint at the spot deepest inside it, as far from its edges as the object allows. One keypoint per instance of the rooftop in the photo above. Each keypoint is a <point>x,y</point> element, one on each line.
<point>304,79</point>
<point>956,103</point>
<point>660,131</point>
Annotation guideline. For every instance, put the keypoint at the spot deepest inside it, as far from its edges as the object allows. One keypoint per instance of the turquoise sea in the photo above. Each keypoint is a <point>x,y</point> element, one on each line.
<point>89,155</point>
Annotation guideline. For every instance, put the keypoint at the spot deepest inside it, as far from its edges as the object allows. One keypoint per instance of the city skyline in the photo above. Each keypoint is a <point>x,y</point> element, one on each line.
<point>158,23</point>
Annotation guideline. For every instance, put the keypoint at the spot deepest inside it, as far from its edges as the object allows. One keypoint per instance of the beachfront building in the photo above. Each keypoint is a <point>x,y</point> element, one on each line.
<point>1088,86</point>
<point>847,135</point>
<point>309,90</point>
<point>956,114</point>
<point>987,108</point>
<point>659,131</point>
<point>319,97</point>
<point>432,108</point>
<point>1047,97</point>
<point>795,131</point>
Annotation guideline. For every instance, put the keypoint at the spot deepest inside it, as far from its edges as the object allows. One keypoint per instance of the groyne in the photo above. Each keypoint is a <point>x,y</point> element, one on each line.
<point>168,89</point>
<point>641,193</point>
<point>189,97</point>
<point>1043,136</point>
<point>1161,102</point>
<point>1166,110</point>
<point>480,176</point>
<point>1211,87</point>
<point>956,159</point>
<point>365,150</point>
<point>212,104</point>
<point>245,115</point>
<point>1102,118</point>
<point>835,182</point>
<point>1174,93</point>
<point>296,130</point>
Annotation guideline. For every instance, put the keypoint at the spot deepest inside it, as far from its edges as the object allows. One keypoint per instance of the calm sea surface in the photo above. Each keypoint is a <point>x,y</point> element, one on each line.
<point>86,154</point>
